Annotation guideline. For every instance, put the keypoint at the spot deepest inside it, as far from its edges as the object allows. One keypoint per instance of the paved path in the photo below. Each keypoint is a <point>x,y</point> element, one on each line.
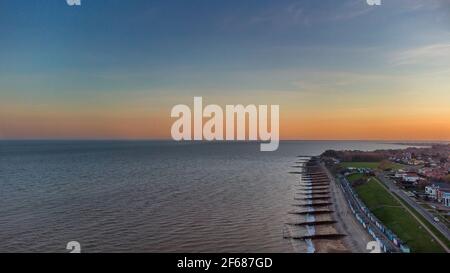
<point>426,214</point>
<point>357,237</point>
<point>397,191</point>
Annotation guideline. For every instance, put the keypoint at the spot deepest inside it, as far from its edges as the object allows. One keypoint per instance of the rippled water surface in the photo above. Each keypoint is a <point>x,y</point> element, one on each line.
<point>136,196</point>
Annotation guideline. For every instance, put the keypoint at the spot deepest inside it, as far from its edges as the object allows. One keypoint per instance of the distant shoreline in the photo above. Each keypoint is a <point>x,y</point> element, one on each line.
<point>420,144</point>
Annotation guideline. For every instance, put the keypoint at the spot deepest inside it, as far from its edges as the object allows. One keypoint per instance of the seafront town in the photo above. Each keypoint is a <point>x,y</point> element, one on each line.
<point>407,191</point>
<point>423,171</point>
<point>426,172</point>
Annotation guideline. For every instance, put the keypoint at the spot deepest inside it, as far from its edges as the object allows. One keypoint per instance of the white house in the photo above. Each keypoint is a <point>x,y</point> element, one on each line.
<point>411,178</point>
<point>431,191</point>
<point>400,174</point>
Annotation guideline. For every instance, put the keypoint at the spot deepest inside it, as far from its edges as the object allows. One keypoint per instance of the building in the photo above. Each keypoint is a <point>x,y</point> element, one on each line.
<point>431,191</point>
<point>446,199</point>
<point>440,194</point>
<point>411,178</point>
<point>400,174</point>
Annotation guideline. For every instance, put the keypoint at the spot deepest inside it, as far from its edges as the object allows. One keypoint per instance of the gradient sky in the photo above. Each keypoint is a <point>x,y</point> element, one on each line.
<point>339,69</point>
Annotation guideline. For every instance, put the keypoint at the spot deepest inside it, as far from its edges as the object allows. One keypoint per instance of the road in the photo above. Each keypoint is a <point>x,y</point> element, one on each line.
<point>426,214</point>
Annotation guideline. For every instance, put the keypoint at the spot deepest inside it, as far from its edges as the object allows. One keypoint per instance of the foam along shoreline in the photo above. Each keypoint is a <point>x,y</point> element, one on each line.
<point>313,200</point>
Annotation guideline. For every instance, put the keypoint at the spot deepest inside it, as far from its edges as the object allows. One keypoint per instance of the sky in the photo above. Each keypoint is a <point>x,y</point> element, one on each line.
<point>339,69</point>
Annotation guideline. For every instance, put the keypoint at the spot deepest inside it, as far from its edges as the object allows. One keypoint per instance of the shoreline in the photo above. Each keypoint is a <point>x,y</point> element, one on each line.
<point>335,229</point>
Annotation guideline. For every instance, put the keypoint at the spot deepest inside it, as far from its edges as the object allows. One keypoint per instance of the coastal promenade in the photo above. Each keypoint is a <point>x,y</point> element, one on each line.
<point>357,237</point>
<point>368,220</point>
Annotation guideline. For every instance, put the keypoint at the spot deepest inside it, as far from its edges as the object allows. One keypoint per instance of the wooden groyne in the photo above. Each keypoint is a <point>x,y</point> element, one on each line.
<point>297,172</point>
<point>315,203</point>
<point>333,236</point>
<point>318,204</point>
<point>313,197</point>
<point>316,223</point>
<point>314,192</point>
<point>310,187</point>
<point>314,212</point>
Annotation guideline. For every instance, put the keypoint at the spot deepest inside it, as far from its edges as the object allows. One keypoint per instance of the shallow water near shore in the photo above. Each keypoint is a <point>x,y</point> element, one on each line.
<point>152,196</point>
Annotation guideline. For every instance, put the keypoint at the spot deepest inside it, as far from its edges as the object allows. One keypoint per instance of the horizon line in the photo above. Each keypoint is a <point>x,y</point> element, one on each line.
<point>168,139</point>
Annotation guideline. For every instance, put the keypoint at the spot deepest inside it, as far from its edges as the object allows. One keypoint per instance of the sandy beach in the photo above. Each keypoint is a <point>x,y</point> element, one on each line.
<point>354,237</point>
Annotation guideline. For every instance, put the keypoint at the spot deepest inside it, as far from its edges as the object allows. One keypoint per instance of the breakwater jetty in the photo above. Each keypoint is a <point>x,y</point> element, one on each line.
<point>312,203</point>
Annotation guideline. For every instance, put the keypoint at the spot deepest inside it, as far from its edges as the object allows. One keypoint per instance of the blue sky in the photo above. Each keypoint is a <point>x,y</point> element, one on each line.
<point>167,41</point>
<point>126,51</point>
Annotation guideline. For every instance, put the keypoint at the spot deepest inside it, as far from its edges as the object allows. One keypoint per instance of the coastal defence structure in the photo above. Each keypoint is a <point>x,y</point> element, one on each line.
<point>331,215</point>
<point>313,206</point>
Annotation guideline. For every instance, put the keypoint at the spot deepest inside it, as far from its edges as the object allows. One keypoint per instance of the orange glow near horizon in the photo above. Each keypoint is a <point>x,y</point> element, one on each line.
<point>388,129</point>
<point>293,125</point>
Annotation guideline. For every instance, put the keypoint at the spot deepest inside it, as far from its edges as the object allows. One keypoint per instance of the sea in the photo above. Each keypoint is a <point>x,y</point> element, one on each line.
<point>153,196</point>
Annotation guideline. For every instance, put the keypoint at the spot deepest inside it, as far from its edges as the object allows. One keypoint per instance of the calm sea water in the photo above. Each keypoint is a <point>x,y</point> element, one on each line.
<point>135,196</point>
